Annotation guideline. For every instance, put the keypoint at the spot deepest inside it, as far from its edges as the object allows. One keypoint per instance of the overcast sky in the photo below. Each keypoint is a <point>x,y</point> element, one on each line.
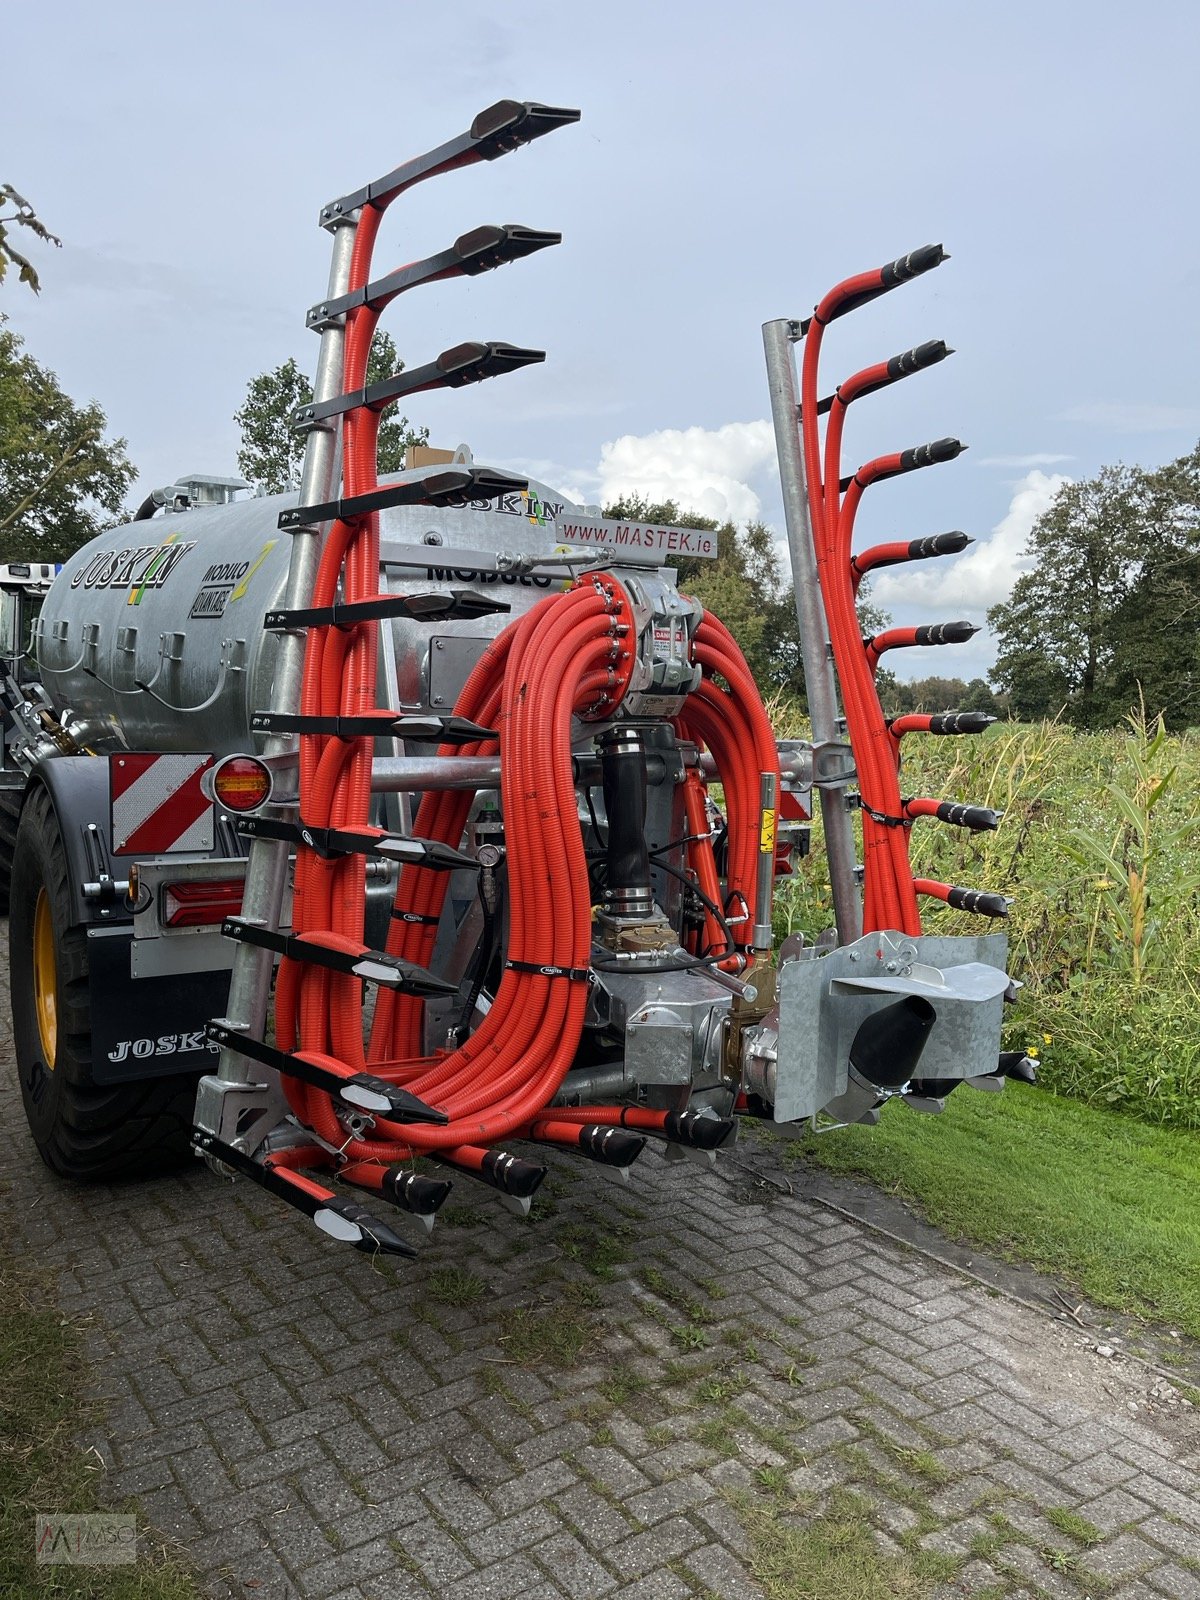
<point>732,163</point>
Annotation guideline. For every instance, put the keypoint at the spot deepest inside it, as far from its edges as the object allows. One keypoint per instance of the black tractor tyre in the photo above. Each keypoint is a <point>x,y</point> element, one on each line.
<point>83,1130</point>
<point>10,815</point>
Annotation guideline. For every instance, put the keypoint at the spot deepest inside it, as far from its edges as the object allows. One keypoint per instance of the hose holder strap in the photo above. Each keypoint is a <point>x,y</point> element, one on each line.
<point>881,817</point>
<point>371,966</point>
<point>548,969</point>
<point>330,843</point>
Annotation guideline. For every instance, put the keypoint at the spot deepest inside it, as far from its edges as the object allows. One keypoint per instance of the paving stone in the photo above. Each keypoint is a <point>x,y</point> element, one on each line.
<point>574,1569</point>
<point>659,1585</point>
<point>976,1575</point>
<point>1114,1510</point>
<point>1120,1557</point>
<point>598,1521</point>
<point>552,1444</point>
<point>612,1470</point>
<point>1170,1501</point>
<point>290,1458</point>
<point>348,1566</point>
<point>528,1488</point>
<point>514,1533</point>
<point>459,1505</point>
<point>721,1573</point>
<point>503,1580</point>
<point>679,1495</point>
<point>643,1552</point>
<point>1175,1581</point>
<point>1179,1540</point>
<point>1043,1578</point>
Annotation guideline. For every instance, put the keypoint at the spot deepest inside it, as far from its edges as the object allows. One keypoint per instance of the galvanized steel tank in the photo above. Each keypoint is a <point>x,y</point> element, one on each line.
<point>152,637</point>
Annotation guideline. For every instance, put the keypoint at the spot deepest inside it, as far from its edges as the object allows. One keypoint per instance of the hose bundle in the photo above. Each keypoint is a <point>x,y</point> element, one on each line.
<point>561,658</point>
<point>889,890</point>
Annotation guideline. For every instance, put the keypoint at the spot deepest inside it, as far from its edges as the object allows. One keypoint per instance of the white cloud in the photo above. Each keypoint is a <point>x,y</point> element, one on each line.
<point>704,469</point>
<point>1134,417</point>
<point>1039,458</point>
<point>985,573</point>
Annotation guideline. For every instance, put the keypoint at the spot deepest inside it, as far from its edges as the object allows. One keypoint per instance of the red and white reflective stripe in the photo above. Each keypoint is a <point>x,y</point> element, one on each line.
<point>158,806</point>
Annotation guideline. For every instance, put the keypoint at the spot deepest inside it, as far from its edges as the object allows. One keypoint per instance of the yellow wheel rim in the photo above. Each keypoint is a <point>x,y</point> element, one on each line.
<point>45,978</point>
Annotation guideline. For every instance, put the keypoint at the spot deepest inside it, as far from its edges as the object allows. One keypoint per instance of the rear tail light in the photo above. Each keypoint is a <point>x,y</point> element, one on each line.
<point>199,904</point>
<point>241,783</point>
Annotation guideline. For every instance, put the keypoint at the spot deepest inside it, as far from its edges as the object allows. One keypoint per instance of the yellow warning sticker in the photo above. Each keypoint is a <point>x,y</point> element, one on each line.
<point>766,833</point>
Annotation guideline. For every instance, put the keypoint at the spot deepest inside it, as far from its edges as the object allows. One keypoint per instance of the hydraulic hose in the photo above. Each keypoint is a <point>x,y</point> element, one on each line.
<point>554,662</point>
<point>889,896</point>
<point>734,725</point>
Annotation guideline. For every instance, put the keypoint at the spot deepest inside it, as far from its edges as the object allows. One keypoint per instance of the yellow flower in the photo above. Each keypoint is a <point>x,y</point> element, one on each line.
<point>1047,1038</point>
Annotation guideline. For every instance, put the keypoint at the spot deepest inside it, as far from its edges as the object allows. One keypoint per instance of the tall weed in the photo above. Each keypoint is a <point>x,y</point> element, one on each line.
<point>1099,849</point>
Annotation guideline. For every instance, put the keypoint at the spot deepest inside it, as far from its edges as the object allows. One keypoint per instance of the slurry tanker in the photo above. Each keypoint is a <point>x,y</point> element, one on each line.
<point>388,834</point>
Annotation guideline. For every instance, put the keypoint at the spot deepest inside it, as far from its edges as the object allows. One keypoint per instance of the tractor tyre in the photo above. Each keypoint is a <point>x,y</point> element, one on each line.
<point>10,815</point>
<point>83,1130</point>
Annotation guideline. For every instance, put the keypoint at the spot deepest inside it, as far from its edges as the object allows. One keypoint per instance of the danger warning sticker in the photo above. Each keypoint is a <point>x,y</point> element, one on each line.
<point>158,805</point>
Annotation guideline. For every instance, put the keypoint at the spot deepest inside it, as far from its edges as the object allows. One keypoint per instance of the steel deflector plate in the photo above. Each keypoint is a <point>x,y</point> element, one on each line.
<point>824,999</point>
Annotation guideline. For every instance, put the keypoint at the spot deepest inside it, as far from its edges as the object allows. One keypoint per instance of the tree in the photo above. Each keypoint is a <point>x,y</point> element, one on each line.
<point>1155,629</point>
<point>1111,609</point>
<point>22,215</point>
<point>1053,632</point>
<point>59,475</point>
<point>272,454</point>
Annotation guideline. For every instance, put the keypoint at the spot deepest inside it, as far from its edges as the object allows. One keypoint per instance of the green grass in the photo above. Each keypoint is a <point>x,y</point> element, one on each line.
<point>595,1242</point>
<point>455,1286</point>
<point>834,1556</point>
<point>42,1409</point>
<point>1099,1198</point>
<point>553,1336</point>
<point>1073,1525</point>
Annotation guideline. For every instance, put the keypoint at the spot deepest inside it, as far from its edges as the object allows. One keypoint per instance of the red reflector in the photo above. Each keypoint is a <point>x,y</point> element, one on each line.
<point>198,902</point>
<point>242,783</point>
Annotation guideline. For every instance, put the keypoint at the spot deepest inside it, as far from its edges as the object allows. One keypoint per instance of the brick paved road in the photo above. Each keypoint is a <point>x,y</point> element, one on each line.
<point>598,1404</point>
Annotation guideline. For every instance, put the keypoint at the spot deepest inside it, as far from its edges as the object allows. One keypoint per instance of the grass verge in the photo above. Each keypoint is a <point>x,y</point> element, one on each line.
<point>1101,1199</point>
<point>42,1469</point>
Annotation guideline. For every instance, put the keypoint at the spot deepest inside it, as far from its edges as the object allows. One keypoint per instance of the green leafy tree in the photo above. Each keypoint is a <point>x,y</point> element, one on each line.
<point>1110,612</point>
<point>1054,630</point>
<point>61,480</point>
<point>16,212</point>
<point>271,453</point>
<point>979,697</point>
<point>1155,629</point>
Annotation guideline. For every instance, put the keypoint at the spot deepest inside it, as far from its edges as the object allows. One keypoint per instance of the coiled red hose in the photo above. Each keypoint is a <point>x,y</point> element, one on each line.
<point>549,666</point>
<point>733,724</point>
